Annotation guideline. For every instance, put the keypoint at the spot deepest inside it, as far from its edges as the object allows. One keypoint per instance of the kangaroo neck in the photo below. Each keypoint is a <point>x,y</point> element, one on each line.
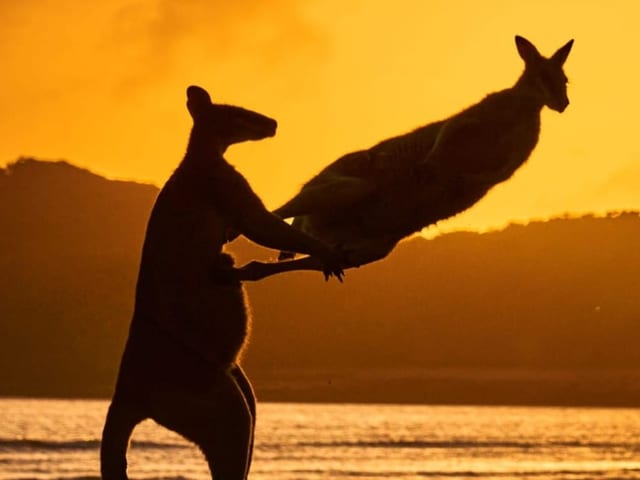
<point>529,92</point>
<point>204,146</point>
<point>519,100</point>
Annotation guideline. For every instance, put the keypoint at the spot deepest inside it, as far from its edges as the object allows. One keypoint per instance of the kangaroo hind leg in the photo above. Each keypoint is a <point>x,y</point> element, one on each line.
<point>122,418</point>
<point>217,420</point>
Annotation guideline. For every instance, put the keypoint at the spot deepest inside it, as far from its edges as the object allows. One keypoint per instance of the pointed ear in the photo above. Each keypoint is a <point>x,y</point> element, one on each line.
<point>526,50</point>
<point>197,100</point>
<point>561,55</point>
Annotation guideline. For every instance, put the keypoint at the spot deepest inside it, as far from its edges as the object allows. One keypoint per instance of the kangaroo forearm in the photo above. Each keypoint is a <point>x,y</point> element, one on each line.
<point>255,271</point>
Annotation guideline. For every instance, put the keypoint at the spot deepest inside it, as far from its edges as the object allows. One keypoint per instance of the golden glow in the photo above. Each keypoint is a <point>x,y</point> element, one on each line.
<point>103,85</point>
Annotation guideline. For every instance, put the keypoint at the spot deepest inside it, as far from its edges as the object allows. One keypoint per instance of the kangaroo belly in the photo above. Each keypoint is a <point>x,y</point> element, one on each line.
<point>209,318</point>
<point>215,322</point>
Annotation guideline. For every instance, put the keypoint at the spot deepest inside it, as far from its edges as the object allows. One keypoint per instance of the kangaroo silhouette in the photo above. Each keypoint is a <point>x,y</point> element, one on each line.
<point>180,366</point>
<point>367,201</point>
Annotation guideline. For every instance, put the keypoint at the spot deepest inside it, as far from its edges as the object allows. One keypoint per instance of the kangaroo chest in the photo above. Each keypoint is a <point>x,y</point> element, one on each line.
<point>497,152</point>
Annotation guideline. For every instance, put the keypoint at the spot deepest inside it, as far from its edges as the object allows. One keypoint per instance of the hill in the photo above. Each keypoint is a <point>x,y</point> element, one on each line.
<point>546,313</point>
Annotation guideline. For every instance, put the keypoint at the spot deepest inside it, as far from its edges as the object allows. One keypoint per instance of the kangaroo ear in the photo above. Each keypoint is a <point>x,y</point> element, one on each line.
<point>197,100</point>
<point>561,55</point>
<point>526,50</point>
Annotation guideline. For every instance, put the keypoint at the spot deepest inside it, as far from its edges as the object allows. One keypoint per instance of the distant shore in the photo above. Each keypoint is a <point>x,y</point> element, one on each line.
<point>444,386</point>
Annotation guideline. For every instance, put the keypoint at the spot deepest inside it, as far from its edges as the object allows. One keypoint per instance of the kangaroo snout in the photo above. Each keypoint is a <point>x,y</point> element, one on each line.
<point>562,106</point>
<point>271,128</point>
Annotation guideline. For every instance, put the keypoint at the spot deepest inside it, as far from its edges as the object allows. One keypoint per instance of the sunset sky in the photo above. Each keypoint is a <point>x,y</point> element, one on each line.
<point>102,85</point>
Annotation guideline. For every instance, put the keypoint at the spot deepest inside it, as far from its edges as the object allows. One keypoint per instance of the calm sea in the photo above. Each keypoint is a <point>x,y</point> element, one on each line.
<point>47,439</point>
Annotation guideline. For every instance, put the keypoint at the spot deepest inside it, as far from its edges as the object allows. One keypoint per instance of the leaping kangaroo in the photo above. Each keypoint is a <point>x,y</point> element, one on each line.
<point>369,200</point>
<point>181,366</point>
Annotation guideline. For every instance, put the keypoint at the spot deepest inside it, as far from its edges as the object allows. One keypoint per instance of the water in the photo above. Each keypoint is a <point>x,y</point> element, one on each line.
<point>47,439</point>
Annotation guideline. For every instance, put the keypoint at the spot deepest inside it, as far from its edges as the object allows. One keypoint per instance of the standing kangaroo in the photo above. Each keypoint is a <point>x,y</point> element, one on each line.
<point>367,201</point>
<point>180,365</point>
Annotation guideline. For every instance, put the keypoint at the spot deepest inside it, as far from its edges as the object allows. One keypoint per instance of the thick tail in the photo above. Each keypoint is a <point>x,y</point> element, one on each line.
<point>120,422</point>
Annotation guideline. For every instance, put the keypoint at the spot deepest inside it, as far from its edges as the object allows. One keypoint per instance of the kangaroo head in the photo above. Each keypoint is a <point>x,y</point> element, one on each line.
<point>226,124</point>
<point>544,76</point>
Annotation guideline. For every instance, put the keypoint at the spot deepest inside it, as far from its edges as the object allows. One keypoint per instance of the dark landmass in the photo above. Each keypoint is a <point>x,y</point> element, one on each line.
<point>541,314</point>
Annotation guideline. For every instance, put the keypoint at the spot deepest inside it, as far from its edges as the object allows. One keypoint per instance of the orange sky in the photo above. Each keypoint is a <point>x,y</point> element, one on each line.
<point>102,84</point>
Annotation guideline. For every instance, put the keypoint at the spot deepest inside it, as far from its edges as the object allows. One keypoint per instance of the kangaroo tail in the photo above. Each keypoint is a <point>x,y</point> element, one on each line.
<point>120,422</point>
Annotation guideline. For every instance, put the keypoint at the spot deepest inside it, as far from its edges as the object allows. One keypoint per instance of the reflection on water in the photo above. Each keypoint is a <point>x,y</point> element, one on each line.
<point>46,439</point>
